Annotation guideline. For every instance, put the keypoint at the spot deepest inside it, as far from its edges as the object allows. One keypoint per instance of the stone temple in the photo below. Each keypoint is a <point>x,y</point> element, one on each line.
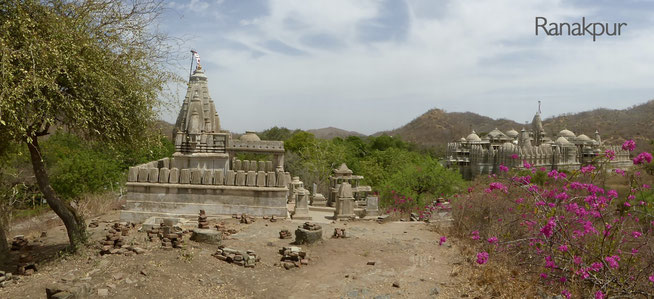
<point>475,155</point>
<point>204,172</point>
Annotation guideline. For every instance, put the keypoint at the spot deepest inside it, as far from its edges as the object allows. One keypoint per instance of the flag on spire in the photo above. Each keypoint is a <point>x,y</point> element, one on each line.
<point>197,58</point>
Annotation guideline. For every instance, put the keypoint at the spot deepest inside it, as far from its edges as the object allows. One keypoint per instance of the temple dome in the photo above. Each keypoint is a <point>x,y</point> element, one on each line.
<point>512,133</point>
<point>562,140</point>
<point>249,136</point>
<point>583,137</point>
<point>496,134</point>
<point>473,137</point>
<point>567,133</point>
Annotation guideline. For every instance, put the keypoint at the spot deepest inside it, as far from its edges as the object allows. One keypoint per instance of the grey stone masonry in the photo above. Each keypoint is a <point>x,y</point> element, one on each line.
<point>218,177</point>
<point>196,176</point>
<point>185,176</point>
<point>262,166</point>
<point>143,174</point>
<point>252,178</point>
<point>164,174</point>
<point>237,164</point>
<point>240,178</point>
<point>272,179</point>
<point>207,178</point>
<point>133,174</point>
<point>231,178</point>
<point>269,166</point>
<point>246,165</point>
<point>153,175</point>
<point>174,176</point>
<point>261,179</point>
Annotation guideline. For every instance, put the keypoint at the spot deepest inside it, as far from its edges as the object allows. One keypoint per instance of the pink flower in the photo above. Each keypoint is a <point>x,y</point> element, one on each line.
<point>609,154</point>
<point>599,295</point>
<point>543,275</point>
<point>563,248</point>
<point>636,234</point>
<point>514,157</point>
<point>475,235</point>
<point>498,186</point>
<point>642,157</point>
<point>577,260</point>
<point>548,229</point>
<point>503,168</point>
<point>645,186</point>
<point>612,261</point>
<point>566,294</point>
<point>482,257</point>
<point>629,145</point>
<point>651,278</point>
<point>442,240</point>
<point>526,165</point>
<point>492,240</point>
<point>587,169</point>
<point>619,171</point>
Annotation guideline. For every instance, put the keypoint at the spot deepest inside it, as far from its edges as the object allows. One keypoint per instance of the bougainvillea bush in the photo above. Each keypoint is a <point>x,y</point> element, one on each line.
<point>568,230</point>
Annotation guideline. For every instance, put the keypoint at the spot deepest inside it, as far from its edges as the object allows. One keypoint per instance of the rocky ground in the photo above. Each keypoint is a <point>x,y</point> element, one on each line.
<point>376,260</point>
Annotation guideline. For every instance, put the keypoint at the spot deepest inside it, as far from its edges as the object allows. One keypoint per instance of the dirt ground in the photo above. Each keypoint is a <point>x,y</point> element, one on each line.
<point>406,253</point>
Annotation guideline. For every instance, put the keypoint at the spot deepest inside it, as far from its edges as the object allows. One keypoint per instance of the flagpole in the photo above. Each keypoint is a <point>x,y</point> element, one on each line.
<point>190,72</point>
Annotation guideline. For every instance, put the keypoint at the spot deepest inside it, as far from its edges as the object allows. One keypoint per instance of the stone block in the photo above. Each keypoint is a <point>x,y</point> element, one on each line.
<point>206,236</point>
<point>237,165</point>
<point>143,175</point>
<point>185,176</point>
<point>261,179</point>
<point>245,166</point>
<point>218,177</point>
<point>271,180</point>
<point>164,175</point>
<point>269,166</point>
<point>207,177</point>
<point>261,166</point>
<point>253,166</point>
<point>153,175</point>
<point>251,178</point>
<point>166,163</point>
<point>305,236</point>
<point>196,176</point>
<point>133,174</point>
<point>372,206</point>
<point>281,179</point>
<point>240,178</point>
<point>174,176</point>
<point>231,178</point>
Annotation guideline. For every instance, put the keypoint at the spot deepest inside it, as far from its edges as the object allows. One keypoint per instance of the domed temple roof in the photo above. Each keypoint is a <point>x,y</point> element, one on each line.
<point>249,136</point>
<point>567,133</point>
<point>512,133</point>
<point>495,134</point>
<point>583,137</point>
<point>473,137</point>
<point>562,140</point>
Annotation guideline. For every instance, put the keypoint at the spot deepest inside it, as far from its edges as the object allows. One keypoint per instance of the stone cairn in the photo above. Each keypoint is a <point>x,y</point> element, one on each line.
<point>339,233</point>
<point>202,220</point>
<point>114,240</point>
<point>308,233</point>
<point>168,237</point>
<point>19,242</point>
<point>246,219</point>
<point>285,234</point>
<point>4,278</point>
<point>26,265</point>
<point>293,257</point>
<point>246,259</point>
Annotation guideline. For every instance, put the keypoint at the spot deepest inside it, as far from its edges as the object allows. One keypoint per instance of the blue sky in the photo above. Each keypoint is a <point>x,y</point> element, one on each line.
<point>372,65</point>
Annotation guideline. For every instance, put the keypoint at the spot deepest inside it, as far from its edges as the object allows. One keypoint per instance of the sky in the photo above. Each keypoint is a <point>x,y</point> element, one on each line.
<point>374,65</point>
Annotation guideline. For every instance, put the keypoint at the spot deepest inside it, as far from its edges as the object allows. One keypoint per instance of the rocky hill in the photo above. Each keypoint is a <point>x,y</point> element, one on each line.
<point>435,128</point>
<point>331,132</point>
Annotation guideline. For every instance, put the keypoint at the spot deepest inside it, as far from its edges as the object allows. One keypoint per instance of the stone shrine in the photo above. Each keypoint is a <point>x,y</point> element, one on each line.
<point>204,173</point>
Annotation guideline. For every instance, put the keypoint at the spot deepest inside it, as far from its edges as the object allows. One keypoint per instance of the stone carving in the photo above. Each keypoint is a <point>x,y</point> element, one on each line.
<point>344,202</point>
<point>301,210</point>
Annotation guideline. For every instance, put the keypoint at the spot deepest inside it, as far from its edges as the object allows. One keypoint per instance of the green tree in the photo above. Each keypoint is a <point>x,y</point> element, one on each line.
<point>299,141</point>
<point>276,133</point>
<point>91,66</point>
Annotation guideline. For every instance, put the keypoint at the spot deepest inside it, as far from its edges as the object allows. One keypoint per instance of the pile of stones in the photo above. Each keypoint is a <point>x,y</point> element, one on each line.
<point>94,223</point>
<point>19,242</point>
<point>221,227</point>
<point>168,237</point>
<point>246,259</point>
<point>293,257</point>
<point>202,220</point>
<point>246,219</point>
<point>26,265</point>
<point>339,233</point>
<point>285,234</point>
<point>114,242</point>
<point>308,233</point>
<point>4,278</point>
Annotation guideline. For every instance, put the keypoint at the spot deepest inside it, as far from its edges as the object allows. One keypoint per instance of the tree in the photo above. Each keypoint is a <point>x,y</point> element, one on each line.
<point>93,67</point>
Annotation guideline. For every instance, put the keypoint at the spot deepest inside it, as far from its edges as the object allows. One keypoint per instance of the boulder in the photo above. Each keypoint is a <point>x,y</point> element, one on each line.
<point>305,236</point>
<point>206,236</point>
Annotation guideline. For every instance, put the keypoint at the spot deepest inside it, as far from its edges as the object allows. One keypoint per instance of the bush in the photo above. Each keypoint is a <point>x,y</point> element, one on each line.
<point>565,231</point>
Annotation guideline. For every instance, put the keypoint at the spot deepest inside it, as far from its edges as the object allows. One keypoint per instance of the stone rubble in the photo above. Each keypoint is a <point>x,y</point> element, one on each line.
<point>5,278</point>
<point>285,234</point>
<point>247,259</point>
<point>339,233</point>
<point>114,242</point>
<point>308,233</point>
<point>293,257</point>
<point>246,219</point>
<point>19,242</point>
<point>26,265</point>
<point>202,220</point>
<point>94,223</point>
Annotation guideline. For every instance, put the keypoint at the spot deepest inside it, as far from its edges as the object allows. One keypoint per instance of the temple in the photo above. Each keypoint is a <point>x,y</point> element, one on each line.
<point>205,173</point>
<point>475,155</point>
